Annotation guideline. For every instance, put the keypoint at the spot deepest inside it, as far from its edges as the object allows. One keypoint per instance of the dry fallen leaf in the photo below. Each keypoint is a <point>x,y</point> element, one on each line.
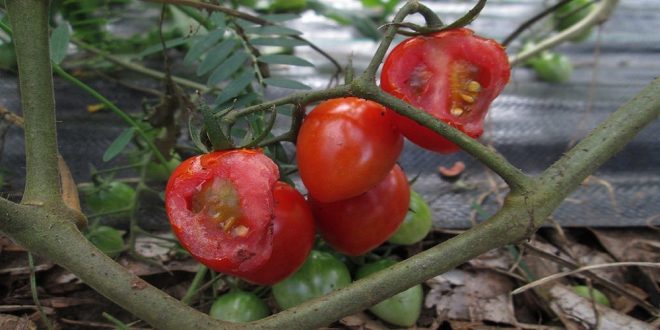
<point>632,245</point>
<point>472,296</point>
<point>577,312</point>
<point>362,321</point>
<point>16,322</point>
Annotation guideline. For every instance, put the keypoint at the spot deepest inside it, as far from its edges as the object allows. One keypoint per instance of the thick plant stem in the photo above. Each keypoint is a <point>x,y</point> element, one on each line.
<point>29,20</point>
<point>59,240</point>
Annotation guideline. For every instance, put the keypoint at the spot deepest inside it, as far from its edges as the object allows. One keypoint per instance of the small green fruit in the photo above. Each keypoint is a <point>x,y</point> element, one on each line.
<point>599,297</point>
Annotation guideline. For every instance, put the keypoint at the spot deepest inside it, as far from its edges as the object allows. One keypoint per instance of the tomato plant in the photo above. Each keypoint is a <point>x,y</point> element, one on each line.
<point>357,225</point>
<point>110,197</point>
<point>321,274</point>
<point>552,67</point>
<point>220,206</point>
<point>402,309</point>
<point>453,75</point>
<point>345,147</point>
<point>239,306</point>
<point>293,237</point>
<point>416,224</point>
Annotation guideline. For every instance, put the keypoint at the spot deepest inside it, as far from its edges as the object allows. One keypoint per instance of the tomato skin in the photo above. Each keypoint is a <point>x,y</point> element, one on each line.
<point>293,237</point>
<point>416,224</point>
<point>345,147</point>
<point>249,177</point>
<point>321,274</point>
<point>402,309</point>
<point>453,75</point>
<point>357,225</point>
<point>239,307</point>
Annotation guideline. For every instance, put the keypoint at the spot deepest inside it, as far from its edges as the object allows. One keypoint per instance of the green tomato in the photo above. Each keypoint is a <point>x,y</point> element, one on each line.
<point>402,309</point>
<point>552,67</point>
<point>239,306</point>
<point>417,223</point>
<point>107,239</point>
<point>7,56</point>
<point>320,274</point>
<point>599,297</point>
<point>571,13</point>
<point>288,5</point>
<point>157,172</point>
<point>109,197</point>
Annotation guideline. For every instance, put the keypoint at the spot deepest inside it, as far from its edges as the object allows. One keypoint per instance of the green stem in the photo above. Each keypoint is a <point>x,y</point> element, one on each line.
<point>194,285</point>
<point>121,114</point>
<point>35,296</point>
<point>29,20</point>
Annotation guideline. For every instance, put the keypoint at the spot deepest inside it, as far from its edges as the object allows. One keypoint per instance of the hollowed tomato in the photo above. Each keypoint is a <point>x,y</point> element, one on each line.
<point>453,75</point>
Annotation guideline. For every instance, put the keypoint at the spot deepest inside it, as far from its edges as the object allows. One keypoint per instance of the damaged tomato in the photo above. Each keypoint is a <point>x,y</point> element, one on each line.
<point>453,75</point>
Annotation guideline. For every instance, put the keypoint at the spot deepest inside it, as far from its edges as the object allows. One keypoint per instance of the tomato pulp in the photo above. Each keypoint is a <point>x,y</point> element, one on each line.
<point>345,147</point>
<point>220,207</point>
<point>453,75</point>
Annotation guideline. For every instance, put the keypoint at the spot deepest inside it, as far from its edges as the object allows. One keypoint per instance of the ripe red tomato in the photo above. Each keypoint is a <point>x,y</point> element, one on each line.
<point>345,147</point>
<point>220,206</point>
<point>357,225</point>
<point>293,237</point>
<point>453,75</point>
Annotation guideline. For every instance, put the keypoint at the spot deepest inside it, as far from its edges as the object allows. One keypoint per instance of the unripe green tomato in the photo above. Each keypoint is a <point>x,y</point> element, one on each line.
<point>552,67</point>
<point>7,56</point>
<point>109,197</point>
<point>402,309</point>
<point>417,223</point>
<point>157,172</point>
<point>288,5</point>
<point>320,274</point>
<point>571,13</point>
<point>239,306</point>
<point>107,239</point>
<point>599,297</point>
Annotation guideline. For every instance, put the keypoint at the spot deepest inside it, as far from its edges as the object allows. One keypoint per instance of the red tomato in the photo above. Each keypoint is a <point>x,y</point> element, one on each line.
<point>220,206</point>
<point>345,147</point>
<point>453,75</point>
<point>293,237</point>
<point>357,225</point>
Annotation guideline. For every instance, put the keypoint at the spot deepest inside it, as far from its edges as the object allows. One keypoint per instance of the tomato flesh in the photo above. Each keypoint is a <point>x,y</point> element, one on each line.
<point>345,147</point>
<point>357,225</point>
<point>220,207</point>
<point>453,75</point>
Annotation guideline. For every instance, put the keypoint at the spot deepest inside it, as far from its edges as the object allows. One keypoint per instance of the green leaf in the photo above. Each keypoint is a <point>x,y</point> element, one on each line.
<point>59,43</point>
<point>280,17</point>
<point>158,47</point>
<point>218,19</point>
<point>281,42</point>
<point>226,69</point>
<point>235,87</point>
<point>272,29</point>
<point>202,45</point>
<point>284,59</point>
<point>215,56</point>
<point>285,83</point>
<point>286,109</point>
<point>119,144</point>
<point>245,100</point>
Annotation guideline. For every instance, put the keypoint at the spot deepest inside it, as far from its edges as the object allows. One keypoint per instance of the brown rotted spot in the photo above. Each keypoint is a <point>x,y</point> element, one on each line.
<point>243,255</point>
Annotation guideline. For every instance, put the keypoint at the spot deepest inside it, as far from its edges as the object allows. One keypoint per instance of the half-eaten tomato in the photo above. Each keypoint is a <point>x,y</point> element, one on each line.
<point>345,147</point>
<point>357,225</point>
<point>453,75</point>
<point>220,206</point>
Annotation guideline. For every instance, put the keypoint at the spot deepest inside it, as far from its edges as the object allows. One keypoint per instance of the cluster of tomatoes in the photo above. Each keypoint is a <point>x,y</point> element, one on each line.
<point>229,210</point>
